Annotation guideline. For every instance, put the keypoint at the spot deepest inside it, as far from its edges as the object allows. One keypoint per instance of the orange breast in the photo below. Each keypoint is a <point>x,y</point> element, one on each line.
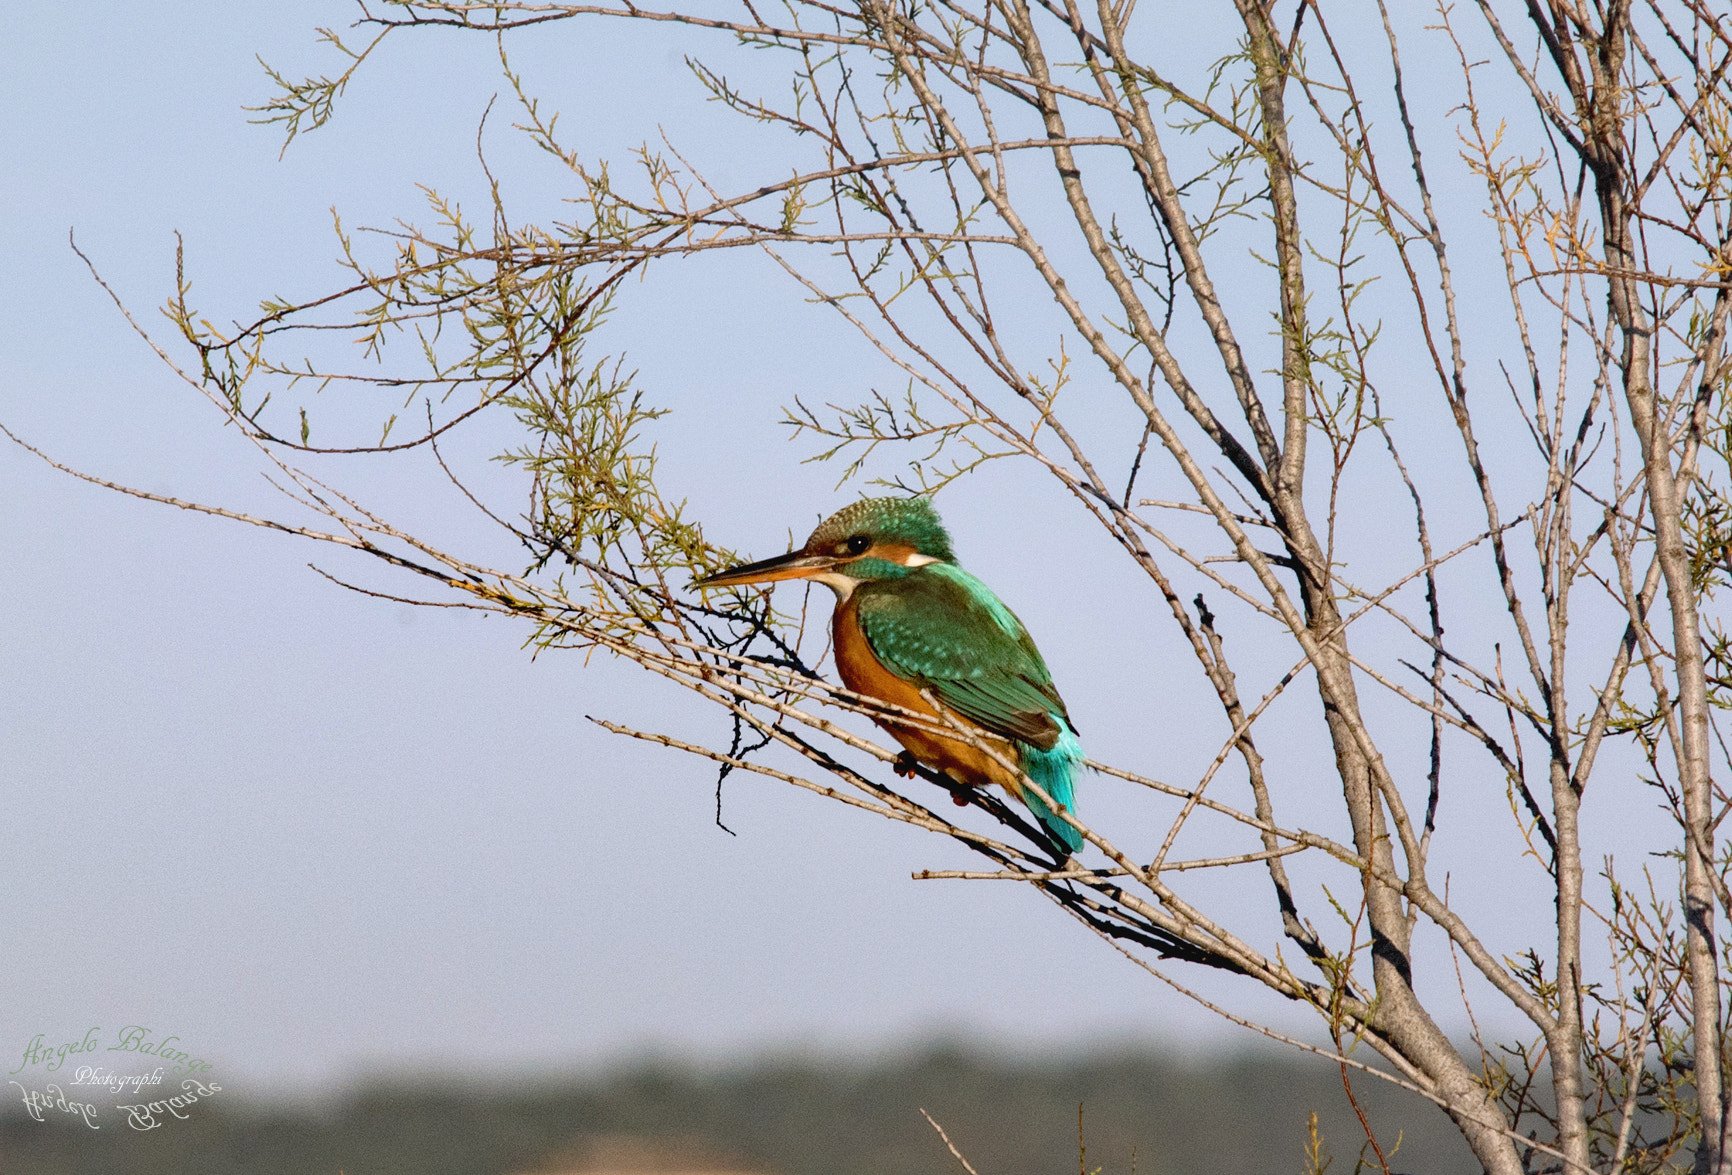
<point>862,672</point>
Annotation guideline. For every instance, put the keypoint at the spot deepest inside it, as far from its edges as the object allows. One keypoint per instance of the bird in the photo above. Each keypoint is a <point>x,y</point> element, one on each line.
<point>909,619</point>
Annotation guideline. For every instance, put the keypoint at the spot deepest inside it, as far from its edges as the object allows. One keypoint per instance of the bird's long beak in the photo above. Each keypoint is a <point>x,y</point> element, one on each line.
<point>793,565</point>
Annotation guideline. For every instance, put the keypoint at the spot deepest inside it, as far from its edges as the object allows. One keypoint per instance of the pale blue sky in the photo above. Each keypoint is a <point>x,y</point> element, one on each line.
<point>314,834</point>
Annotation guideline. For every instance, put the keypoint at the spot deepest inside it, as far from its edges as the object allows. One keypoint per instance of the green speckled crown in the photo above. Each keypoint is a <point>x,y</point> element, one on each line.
<point>898,520</point>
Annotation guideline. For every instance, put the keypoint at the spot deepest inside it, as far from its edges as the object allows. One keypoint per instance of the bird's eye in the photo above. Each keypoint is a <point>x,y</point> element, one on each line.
<point>858,544</point>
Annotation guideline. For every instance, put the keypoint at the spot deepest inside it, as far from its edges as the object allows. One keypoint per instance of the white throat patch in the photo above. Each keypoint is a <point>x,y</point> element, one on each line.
<point>842,585</point>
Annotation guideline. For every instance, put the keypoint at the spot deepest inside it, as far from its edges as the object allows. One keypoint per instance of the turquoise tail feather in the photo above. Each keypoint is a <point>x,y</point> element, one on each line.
<point>1055,771</point>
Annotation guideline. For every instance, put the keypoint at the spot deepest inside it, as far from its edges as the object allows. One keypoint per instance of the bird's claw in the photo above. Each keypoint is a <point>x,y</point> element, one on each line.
<point>907,766</point>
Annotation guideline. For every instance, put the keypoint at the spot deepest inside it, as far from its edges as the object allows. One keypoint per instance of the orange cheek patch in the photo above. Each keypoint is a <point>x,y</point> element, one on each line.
<point>897,553</point>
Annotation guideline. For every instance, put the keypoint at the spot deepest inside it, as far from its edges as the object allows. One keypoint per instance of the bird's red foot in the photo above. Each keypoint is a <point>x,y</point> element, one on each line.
<point>904,765</point>
<point>960,798</point>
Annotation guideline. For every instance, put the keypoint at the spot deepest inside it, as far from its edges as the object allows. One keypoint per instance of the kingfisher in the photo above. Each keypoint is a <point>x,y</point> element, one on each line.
<point>909,619</point>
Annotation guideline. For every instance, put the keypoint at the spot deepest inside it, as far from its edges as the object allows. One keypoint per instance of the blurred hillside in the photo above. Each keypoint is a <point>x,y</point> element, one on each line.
<point>1239,1115</point>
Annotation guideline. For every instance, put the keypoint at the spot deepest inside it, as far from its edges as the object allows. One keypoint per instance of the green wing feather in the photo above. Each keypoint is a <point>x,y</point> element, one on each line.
<point>944,630</point>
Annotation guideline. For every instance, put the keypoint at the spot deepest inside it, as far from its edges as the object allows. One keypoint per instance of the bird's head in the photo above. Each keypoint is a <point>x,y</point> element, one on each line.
<point>875,538</point>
